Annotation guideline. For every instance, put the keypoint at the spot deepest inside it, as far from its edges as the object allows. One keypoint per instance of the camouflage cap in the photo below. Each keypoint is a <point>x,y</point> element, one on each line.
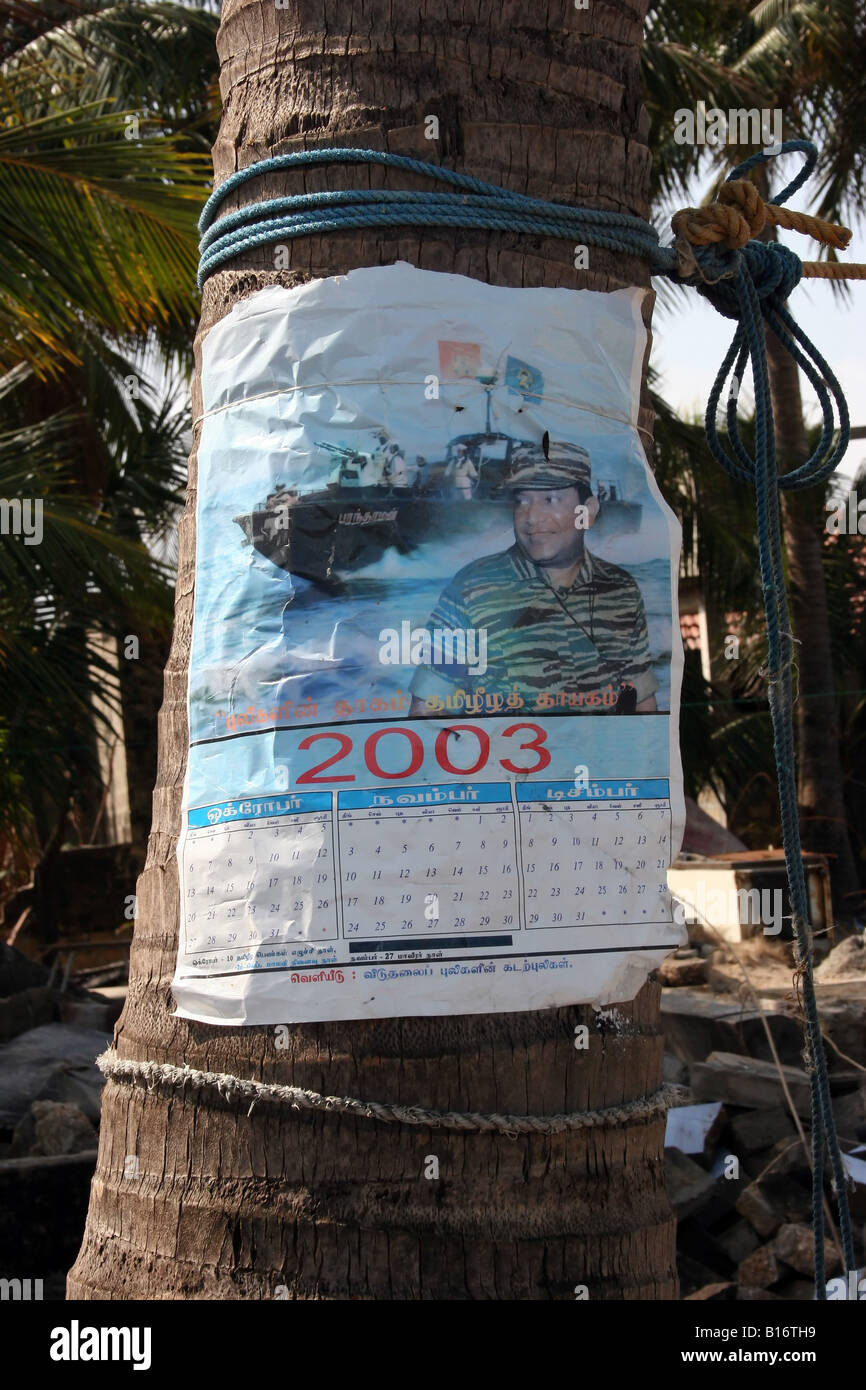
<point>564,465</point>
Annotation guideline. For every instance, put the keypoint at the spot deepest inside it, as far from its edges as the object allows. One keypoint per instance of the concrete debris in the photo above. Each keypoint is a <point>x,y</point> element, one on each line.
<point>714,1293</point>
<point>847,961</point>
<point>794,1245</point>
<point>791,1199</point>
<point>738,1241</point>
<point>696,1023</point>
<point>675,972</point>
<point>802,1290</point>
<point>746,1233</point>
<point>51,1127</point>
<point>785,1160</point>
<point>689,1186</point>
<point>749,1082</point>
<point>760,1270</point>
<point>761,1129</point>
<point>758,1210</point>
<point>674,1072</point>
<point>843,1023</point>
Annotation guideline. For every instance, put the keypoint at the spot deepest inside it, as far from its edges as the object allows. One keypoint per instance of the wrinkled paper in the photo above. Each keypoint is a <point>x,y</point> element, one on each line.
<point>433,762</point>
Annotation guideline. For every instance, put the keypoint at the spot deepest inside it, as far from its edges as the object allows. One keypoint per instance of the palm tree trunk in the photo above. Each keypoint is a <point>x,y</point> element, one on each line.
<point>820,798</point>
<point>231,1206</point>
<point>823,821</point>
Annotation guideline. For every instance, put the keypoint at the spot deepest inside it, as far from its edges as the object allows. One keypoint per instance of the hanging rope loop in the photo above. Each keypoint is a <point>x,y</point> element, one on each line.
<point>750,282</point>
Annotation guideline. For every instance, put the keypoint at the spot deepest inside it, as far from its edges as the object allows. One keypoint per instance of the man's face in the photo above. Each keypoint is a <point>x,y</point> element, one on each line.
<point>544,524</point>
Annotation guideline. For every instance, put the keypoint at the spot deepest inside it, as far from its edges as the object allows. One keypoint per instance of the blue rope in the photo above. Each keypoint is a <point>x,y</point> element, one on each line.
<point>479,204</point>
<point>750,286</point>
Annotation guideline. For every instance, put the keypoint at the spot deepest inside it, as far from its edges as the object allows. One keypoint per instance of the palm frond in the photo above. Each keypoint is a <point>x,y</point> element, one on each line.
<point>125,263</point>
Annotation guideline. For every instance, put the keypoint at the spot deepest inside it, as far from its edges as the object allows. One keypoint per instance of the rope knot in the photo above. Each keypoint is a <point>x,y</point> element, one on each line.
<point>737,216</point>
<point>711,225</point>
<point>775,269</point>
<point>743,196</point>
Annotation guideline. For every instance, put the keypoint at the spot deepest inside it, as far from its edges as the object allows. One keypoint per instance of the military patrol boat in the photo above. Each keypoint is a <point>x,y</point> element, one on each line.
<point>360,514</point>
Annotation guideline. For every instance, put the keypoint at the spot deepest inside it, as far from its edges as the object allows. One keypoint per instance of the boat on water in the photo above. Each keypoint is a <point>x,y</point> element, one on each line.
<point>368,507</point>
<point>617,515</point>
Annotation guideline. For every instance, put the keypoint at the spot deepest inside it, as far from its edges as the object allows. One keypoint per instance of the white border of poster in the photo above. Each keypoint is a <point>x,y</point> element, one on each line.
<point>432,564</point>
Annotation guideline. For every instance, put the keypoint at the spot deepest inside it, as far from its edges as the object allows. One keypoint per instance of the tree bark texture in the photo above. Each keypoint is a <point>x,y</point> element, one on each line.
<point>544,100</point>
<point>820,798</point>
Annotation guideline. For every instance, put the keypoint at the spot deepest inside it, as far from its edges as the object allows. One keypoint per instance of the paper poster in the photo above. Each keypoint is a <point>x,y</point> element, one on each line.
<point>434,683</point>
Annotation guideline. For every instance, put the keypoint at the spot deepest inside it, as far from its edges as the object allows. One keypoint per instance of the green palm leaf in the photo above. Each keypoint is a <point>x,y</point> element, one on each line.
<point>125,259</point>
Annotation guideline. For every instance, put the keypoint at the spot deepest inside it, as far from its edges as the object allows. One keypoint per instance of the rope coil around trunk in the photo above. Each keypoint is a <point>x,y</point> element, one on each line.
<point>236,1090</point>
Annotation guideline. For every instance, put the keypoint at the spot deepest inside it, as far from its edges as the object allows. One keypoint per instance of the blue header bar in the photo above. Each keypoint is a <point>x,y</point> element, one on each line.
<point>289,805</point>
<point>450,794</point>
<point>644,789</point>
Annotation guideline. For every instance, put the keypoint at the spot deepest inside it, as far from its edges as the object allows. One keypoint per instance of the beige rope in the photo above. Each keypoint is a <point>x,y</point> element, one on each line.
<point>833,270</point>
<point>162,1075</point>
<point>739,214</point>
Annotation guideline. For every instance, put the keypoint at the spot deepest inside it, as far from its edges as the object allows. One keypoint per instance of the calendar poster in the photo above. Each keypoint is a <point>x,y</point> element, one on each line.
<point>434,685</point>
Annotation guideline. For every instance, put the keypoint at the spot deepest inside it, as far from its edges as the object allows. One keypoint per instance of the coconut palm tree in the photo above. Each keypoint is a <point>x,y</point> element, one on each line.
<point>228,1205</point>
<point>809,56</point>
<point>805,57</point>
<point>102,167</point>
<point>97,201</point>
<point>90,572</point>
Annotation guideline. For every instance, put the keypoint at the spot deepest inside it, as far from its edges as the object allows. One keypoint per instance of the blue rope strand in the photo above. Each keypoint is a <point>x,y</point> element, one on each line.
<point>750,286</point>
<point>804,147</point>
<point>478,205</point>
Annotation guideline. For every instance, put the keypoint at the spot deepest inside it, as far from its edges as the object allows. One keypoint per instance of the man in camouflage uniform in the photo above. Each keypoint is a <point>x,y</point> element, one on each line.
<point>565,629</point>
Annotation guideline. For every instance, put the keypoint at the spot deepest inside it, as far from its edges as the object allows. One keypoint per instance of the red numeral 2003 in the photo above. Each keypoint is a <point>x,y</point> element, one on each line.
<point>415,752</point>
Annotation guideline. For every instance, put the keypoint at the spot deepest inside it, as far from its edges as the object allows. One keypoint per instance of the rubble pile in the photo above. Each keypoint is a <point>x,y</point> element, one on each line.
<point>737,1167</point>
<point>737,1170</point>
<point>50,1093</point>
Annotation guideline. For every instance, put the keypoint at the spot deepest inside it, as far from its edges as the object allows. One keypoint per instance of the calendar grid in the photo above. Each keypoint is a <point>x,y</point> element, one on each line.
<point>518,838</point>
<point>338,869</point>
<point>422,869</point>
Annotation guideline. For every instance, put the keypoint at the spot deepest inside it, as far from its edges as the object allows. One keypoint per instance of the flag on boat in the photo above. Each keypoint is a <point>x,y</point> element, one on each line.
<point>522,378</point>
